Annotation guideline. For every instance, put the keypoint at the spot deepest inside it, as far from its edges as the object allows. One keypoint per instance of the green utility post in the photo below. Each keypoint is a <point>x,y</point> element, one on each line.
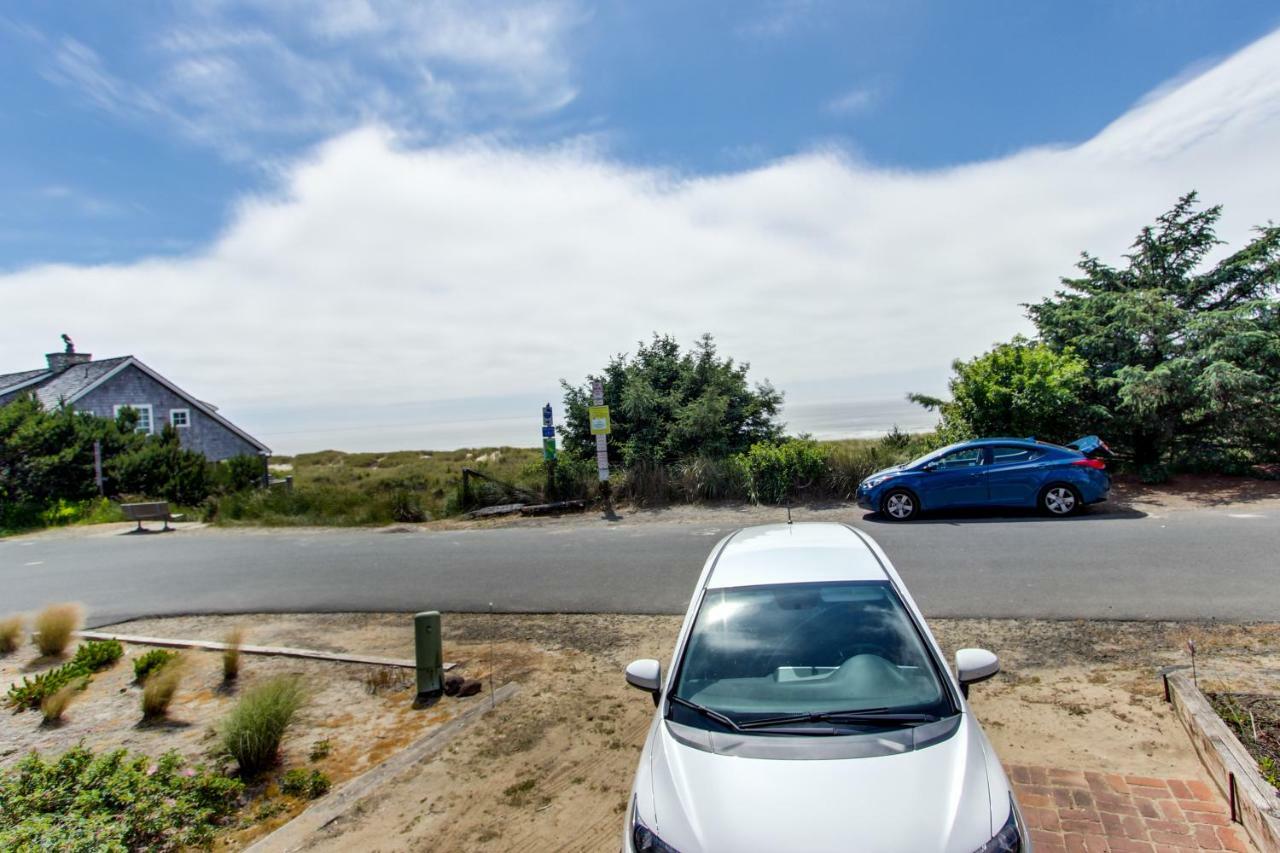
<point>428,654</point>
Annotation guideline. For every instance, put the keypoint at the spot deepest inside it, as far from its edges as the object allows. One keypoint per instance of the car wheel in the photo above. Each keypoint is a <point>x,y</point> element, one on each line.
<point>1060,500</point>
<point>900,505</point>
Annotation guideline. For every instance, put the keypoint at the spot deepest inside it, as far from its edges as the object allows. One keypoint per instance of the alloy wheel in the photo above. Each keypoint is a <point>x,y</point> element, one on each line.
<point>899,505</point>
<point>1060,500</point>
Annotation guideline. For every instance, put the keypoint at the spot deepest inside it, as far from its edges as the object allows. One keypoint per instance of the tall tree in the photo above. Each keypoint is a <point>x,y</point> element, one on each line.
<point>667,405</point>
<point>1184,355</point>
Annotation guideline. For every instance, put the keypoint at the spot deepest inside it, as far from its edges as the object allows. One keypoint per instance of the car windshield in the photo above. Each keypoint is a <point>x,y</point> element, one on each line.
<point>932,454</point>
<point>806,648</point>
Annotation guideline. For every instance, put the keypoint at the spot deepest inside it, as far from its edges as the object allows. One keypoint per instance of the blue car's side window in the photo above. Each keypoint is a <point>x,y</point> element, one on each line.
<point>970,457</point>
<point>1014,455</point>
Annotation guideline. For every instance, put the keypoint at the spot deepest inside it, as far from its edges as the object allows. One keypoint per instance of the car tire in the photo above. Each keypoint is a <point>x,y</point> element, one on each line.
<point>1059,500</point>
<point>900,505</point>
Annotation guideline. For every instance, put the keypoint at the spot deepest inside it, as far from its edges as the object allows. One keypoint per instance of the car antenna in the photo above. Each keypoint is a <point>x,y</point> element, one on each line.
<point>788,512</point>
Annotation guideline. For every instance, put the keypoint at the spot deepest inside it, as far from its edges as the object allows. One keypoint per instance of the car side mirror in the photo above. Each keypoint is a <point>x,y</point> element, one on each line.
<point>646,674</point>
<point>930,467</point>
<point>974,665</point>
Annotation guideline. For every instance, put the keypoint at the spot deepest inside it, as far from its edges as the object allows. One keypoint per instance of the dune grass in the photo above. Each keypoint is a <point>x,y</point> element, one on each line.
<point>54,626</point>
<point>231,654</point>
<point>252,732</point>
<point>10,634</point>
<point>53,705</point>
<point>161,686</point>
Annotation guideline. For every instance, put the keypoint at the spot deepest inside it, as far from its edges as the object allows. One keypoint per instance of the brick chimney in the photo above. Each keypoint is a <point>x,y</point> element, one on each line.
<point>60,361</point>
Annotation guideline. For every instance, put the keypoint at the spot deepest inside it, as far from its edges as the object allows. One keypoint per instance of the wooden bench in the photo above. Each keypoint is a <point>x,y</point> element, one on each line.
<point>158,511</point>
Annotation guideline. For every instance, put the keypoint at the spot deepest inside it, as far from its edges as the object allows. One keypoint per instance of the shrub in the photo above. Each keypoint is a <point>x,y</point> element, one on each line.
<point>240,473</point>
<point>161,687</point>
<point>10,634</point>
<point>407,507</point>
<point>309,784</point>
<point>97,655</point>
<point>52,706</point>
<point>54,626</point>
<point>320,750</point>
<point>113,801</point>
<point>252,732</point>
<point>231,654</point>
<point>776,472</point>
<point>150,662</point>
<point>704,478</point>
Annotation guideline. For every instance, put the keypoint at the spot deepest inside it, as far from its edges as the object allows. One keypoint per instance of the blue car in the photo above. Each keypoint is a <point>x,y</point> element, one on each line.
<point>994,472</point>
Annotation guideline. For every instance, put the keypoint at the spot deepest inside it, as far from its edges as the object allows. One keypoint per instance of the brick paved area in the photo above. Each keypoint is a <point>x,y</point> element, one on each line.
<point>1071,810</point>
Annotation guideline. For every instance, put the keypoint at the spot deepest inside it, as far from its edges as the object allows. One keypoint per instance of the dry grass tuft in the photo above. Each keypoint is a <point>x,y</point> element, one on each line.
<point>161,686</point>
<point>54,626</point>
<point>10,634</point>
<point>231,655</point>
<point>52,706</point>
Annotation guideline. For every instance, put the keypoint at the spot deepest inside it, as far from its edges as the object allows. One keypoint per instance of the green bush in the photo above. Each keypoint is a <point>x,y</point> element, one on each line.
<point>114,801</point>
<point>308,784</point>
<point>776,472</point>
<point>150,662</point>
<point>252,732</point>
<point>162,468</point>
<point>407,507</point>
<point>239,473</point>
<point>97,655</point>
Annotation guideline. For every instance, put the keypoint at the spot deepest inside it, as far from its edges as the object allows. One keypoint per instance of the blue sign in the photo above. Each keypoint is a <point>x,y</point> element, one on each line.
<point>546,413</point>
<point>548,432</point>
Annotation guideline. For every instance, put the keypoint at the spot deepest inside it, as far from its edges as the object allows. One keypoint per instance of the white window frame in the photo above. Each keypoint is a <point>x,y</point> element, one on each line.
<point>138,407</point>
<point>186,415</point>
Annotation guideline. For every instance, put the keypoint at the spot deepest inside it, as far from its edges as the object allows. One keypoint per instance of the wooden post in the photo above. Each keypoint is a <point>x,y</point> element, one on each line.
<point>97,467</point>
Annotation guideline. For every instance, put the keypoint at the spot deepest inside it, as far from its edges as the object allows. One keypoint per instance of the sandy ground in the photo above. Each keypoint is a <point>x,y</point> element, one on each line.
<point>362,728</point>
<point>551,768</point>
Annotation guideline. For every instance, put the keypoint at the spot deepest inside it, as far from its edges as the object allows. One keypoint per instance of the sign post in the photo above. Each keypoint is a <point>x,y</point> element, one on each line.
<point>549,451</point>
<point>598,415</point>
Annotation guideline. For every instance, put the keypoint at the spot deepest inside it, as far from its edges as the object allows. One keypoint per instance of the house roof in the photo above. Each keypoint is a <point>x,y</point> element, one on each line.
<point>68,386</point>
<point>13,381</point>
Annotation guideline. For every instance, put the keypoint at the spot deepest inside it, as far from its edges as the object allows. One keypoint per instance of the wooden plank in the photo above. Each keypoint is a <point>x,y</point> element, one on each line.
<point>298,833</point>
<point>278,651</point>
<point>1257,803</point>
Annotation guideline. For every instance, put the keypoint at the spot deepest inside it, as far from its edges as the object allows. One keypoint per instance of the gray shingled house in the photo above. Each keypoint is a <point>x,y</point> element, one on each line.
<point>105,386</point>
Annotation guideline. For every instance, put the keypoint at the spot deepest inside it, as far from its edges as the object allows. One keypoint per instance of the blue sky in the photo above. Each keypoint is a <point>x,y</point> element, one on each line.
<point>376,224</point>
<point>116,142</point>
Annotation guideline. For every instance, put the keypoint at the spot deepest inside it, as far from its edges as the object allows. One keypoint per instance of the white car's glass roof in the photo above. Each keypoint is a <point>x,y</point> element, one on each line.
<point>794,553</point>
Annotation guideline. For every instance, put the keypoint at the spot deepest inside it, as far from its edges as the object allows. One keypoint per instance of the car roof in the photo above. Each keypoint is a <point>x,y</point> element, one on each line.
<point>794,553</point>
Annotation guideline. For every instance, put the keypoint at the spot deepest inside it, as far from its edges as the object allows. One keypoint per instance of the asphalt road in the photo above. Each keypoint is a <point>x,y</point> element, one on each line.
<point>1202,564</point>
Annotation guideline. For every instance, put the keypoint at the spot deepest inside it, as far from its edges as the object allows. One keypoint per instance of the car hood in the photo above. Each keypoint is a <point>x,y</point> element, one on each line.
<point>895,798</point>
<point>896,469</point>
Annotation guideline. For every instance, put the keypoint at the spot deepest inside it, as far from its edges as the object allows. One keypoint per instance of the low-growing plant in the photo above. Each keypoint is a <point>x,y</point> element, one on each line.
<point>231,654</point>
<point>54,626</point>
<point>97,655</point>
<point>112,801</point>
<point>320,750</point>
<point>384,678</point>
<point>252,732</point>
<point>53,705</point>
<point>778,471</point>
<point>10,634</point>
<point>148,663</point>
<point>161,686</point>
<point>89,658</point>
<point>308,784</point>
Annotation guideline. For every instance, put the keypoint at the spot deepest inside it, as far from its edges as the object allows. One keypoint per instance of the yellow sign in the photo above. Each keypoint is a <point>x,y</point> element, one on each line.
<point>599,418</point>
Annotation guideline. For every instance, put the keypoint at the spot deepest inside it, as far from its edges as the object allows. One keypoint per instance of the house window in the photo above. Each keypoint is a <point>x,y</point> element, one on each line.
<point>144,415</point>
<point>180,417</point>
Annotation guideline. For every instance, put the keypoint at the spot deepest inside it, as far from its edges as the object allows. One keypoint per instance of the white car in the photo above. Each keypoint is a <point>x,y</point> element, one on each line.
<point>808,708</point>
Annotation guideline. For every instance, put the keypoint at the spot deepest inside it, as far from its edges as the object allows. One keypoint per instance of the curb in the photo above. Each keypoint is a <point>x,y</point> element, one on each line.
<point>1255,804</point>
<point>278,651</point>
<point>298,833</point>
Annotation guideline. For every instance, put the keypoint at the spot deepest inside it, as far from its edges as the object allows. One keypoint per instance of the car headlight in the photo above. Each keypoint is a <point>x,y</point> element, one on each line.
<point>1009,838</point>
<point>643,838</point>
<point>872,482</point>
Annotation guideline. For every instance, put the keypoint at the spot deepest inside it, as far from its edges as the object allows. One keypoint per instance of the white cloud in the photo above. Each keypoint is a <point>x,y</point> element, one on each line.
<point>242,75</point>
<point>854,102</point>
<point>385,273</point>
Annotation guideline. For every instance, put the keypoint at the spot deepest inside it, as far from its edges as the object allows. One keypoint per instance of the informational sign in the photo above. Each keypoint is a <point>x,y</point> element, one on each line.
<point>599,418</point>
<point>548,434</point>
<point>602,437</point>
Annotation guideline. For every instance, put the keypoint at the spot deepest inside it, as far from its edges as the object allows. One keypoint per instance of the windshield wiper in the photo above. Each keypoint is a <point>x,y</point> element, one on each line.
<point>878,716</point>
<point>704,711</point>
